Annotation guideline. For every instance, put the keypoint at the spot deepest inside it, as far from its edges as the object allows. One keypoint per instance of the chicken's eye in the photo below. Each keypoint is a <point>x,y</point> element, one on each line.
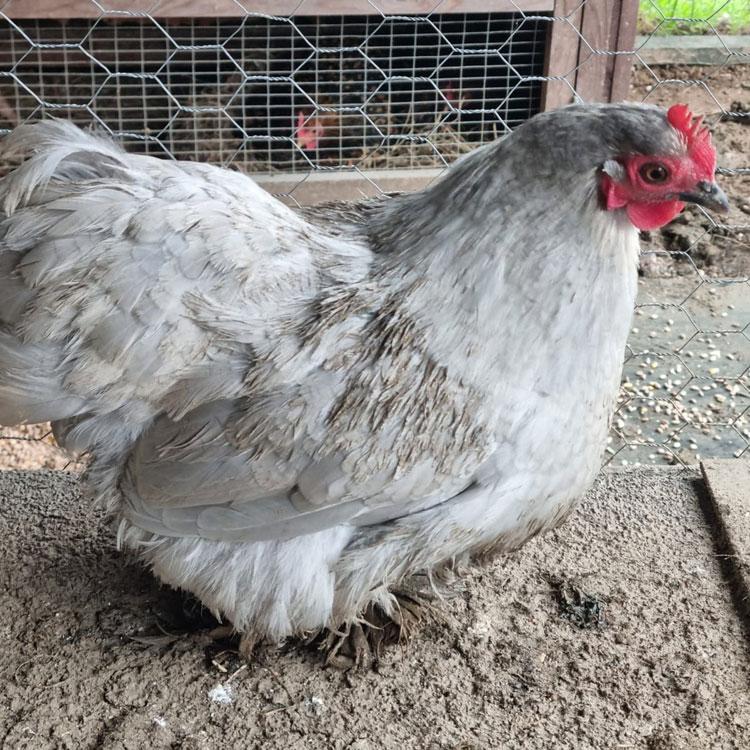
<point>653,173</point>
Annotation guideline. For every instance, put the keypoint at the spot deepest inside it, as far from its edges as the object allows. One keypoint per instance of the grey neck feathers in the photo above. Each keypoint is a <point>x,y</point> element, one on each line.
<point>493,208</point>
<point>497,223</point>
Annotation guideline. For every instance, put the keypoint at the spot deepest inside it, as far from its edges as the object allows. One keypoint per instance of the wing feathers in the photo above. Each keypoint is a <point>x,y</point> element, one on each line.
<point>201,339</point>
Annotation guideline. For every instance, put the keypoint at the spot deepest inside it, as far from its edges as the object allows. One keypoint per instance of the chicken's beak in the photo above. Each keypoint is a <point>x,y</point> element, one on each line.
<point>709,195</point>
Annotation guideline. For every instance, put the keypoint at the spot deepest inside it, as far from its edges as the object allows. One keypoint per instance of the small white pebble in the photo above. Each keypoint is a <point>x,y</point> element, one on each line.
<point>222,694</point>
<point>315,705</point>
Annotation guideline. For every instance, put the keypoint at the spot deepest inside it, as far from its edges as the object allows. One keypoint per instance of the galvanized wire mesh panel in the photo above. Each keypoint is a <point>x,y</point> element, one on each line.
<point>267,94</point>
<point>685,392</point>
<point>302,94</point>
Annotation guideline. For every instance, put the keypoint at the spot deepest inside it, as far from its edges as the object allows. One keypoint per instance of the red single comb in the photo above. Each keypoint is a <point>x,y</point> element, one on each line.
<point>696,136</point>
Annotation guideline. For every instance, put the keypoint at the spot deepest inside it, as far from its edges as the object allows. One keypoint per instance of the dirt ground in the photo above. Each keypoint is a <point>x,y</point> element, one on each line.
<point>615,631</point>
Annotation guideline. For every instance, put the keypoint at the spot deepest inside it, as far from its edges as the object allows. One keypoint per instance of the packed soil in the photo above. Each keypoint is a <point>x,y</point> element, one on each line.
<point>615,631</point>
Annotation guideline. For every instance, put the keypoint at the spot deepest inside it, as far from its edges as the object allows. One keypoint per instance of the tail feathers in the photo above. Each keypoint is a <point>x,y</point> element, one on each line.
<point>31,385</point>
<point>55,149</point>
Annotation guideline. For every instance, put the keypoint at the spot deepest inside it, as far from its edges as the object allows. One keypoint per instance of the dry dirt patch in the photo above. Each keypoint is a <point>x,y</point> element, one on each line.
<point>615,631</point>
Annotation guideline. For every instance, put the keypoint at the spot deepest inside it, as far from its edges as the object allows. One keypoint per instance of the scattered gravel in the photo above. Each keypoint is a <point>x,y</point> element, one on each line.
<point>31,447</point>
<point>685,385</point>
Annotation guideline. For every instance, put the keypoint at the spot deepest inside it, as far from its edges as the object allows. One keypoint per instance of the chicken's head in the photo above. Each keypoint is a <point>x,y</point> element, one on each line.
<point>653,188</point>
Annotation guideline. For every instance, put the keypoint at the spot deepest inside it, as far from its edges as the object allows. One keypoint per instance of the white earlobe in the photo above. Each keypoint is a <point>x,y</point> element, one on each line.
<point>614,169</point>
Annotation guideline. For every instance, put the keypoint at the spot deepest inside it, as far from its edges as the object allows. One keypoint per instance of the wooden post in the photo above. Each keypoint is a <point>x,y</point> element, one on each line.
<point>579,41</point>
<point>228,8</point>
<point>561,56</point>
<point>623,64</point>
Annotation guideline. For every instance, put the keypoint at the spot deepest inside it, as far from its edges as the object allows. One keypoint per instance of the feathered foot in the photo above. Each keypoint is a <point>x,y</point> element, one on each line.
<point>360,644</point>
<point>228,650</point>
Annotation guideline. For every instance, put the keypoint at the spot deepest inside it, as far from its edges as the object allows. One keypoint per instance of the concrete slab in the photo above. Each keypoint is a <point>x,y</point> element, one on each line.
<point>704,49</point>
<point>728,484</point>
<point>615,631</point>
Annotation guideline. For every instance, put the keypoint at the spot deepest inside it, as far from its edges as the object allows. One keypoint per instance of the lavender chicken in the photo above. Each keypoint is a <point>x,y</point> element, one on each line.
<point>289,413</point>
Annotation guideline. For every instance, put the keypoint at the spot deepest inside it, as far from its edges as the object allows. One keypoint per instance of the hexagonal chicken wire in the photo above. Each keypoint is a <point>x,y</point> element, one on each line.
<point>328,86</point>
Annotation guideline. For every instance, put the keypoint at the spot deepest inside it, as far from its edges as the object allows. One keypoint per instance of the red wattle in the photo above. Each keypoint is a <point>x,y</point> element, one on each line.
<point>653,215</point>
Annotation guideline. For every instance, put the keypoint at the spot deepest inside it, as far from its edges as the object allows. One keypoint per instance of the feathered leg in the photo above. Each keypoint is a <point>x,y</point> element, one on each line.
<point>360,644</point>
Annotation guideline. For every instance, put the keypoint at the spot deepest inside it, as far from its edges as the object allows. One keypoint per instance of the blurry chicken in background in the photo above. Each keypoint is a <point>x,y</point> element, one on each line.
<point>314,128</point>
<point>456,97</point>
<point>7,113</point>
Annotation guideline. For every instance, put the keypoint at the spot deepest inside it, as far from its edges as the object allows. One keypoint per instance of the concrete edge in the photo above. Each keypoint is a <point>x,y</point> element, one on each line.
<point>727,485</point>
<point>309,188</point>
<point>707,49</point>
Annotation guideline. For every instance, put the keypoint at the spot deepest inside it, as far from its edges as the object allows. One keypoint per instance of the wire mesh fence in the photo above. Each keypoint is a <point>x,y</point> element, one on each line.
<point>270,94</point>
<point>369,90</point>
